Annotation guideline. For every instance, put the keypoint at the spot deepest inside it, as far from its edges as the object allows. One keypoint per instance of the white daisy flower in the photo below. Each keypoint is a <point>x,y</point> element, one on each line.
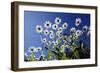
<point>69,38</point>
<point>60,35</point>
<point>47,24</point>
<point>32,49</point>
<point>56,42</point>
<point>51,36</point>
<point>73,29</point>
<point>67,46</point>
<point>57,33</point>
<point>57,20</point>
<point>51,32</point>
<point>78,33</point>
<point>42,55</point>
<point>65,25</point>
<point>54,26</point>
<point>39,29</point>
<point>65,38</point>
<point>62,46</point>
<point>78,21</point>
<point>39,48</point>
<point>85,28</point>
<point>44,40</point>
<point>46,32</point>
<point>60,29</point>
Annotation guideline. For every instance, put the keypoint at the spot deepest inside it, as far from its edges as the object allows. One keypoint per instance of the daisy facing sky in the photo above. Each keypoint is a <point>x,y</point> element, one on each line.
<point>50,26</point>
<point>54,26</point>
<point>78,21</point>
<point>57,20</point>
<point>47,24</point>
<point>39,29</point>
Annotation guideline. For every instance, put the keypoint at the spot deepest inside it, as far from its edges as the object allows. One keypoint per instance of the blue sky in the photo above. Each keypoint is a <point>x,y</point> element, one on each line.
<point>33,18</point>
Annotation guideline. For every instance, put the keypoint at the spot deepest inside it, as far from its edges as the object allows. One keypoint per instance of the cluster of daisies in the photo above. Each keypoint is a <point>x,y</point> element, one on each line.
<point>51,30</point>
<point>56,40</point>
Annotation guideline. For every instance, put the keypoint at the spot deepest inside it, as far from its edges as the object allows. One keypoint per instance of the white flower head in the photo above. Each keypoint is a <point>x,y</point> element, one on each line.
<point>44,40</point>
<point>60,29</point>
<point>57,33</point>
<point>39,29</point>
<point>78,21</point>
<point>57,20</point>
<point>51,36</point>
<point>67,46</point>
<point>73,29</point>
<point>51,32</point>
<point>47,24</point>
<point>46,32</point>
<point>42,55</point>
<point>65,38</point>
<point>65,25</point>
<point>32,49</point>
<point>39,48</point>
<point>78,33</point>
<point>56,42</point>
<point>54,26</point>
<point>69,38</point>
<point>85,28</point>
<point>60,35</point>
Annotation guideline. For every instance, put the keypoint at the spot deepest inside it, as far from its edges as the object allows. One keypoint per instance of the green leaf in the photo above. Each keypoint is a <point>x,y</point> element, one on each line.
<point>76,53</point>
<point>32,57</point>
<point>49,55</point>
<point>63,48</point>
<point>64,57</point>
